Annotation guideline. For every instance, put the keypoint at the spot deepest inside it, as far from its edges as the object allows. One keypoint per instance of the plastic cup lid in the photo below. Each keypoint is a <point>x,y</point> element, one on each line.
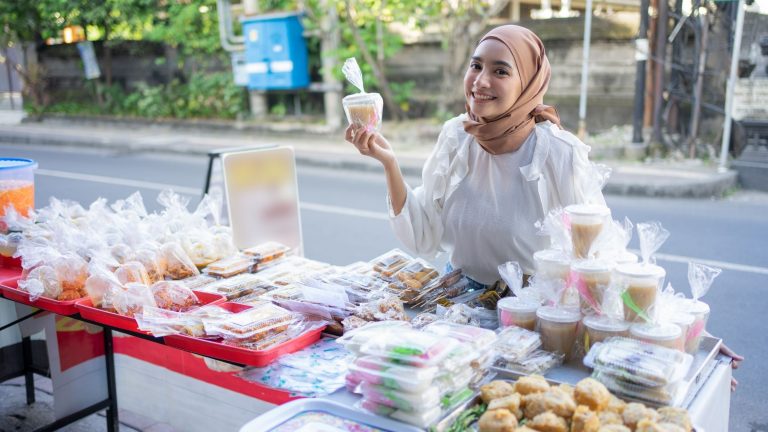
<point>665,331</point>
<point>696,307</point>
<point>592,266</point>
<point>682,318</point>
<point>552,255</point>
<point>625,257</point>
<point>604,323</point>
<point>514,304</point>
<point>559,315</point>
<point>16,163</point>
<point>588,210</point>
<point>641,270</point>
<point>361,98</point>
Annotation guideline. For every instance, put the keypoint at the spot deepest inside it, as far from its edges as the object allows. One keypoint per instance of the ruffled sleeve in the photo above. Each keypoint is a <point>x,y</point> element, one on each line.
<point>419,225</point>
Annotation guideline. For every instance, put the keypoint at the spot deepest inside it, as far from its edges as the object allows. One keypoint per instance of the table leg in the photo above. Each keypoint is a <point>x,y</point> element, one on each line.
<point>113,421</point>
<point>29,376</point>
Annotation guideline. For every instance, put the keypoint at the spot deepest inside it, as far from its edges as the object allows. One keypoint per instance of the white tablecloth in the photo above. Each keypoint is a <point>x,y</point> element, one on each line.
<point>710,410</point>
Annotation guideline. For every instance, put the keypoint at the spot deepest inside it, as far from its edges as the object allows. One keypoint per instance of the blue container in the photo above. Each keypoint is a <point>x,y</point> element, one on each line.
<point>275,52</point>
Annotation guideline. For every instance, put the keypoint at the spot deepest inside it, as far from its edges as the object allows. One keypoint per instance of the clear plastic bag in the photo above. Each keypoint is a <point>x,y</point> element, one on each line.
<point>41,281</point>
<point>174,296</point>
<point>132,272</point>
<point>536,362</point>
<point>390,262</point>
<point>101,286</point>
<point>354,340</point>
<point>362,109</point>
<point>479,339</point>
<point>515,343</point>
<point>177,263</point>
<point>132,299</point>
<point>230,266</point>
<point>148,257</point>
<point>383,309</point>
<point>411,347</point>
<point>700,277</point>
<point>651,236</point>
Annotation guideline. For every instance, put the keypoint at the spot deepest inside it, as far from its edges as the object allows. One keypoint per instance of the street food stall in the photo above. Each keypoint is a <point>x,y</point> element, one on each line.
<point>205,326</point>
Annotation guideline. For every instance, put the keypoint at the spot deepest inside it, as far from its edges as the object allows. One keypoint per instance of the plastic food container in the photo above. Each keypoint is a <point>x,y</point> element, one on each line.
<point>599,328</point>
<point>685,322</point>
<point>231,266</point>
<point>552,264</point>
<point>559,329</point>
<point>390,262</point>
<point>17,184</point>
<point>364,109</point>
<point>409,402</point>
<point>591,278</point>
<point>639,362</point>
<point>354,340</point>
<point>479,339</point>
<point>516,312</point>
<point>267,252</point>
<point>516,342</point>
<point>641,283</point>
<point>387,374</point>
<point>700,311</point>
<point>625,257</point>
<point>412,347</point>
<point>11,291</point>
<point>586,224</point>
<point>666,334</point>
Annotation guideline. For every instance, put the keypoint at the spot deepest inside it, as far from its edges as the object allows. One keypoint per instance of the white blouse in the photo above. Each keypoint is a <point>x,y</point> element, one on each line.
<point>482,208</point>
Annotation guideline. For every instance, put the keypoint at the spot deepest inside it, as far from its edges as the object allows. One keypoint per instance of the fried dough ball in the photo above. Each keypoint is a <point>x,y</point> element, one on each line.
<point>614,428</point>
<point>592,393</point>
<point>567,388</point>
<point>676,416</point>
<point>584,420</point>
<point>495,390</point>
<point>634,412</point>
<point>531,384</point>
<point>648,425</point>
<point>548,422</point>
<point>524,429</point>
<point>610,418</point>
<point>615,405</point>
<point>511,403</point>
<point>498,420</point>
<point>554,400</point>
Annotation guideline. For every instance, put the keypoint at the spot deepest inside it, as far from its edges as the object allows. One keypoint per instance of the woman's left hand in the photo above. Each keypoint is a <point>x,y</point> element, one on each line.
<point>737,359</point>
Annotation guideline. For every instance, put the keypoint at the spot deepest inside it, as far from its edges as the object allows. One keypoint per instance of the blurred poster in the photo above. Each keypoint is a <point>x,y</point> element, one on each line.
<point>263,197</point>
<point>88,55</point>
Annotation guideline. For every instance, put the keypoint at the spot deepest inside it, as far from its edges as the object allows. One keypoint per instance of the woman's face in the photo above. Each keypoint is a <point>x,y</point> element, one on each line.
<point>491,83</point>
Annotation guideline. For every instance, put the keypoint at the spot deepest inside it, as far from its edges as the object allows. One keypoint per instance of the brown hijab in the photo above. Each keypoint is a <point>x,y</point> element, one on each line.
<point>508,131</point>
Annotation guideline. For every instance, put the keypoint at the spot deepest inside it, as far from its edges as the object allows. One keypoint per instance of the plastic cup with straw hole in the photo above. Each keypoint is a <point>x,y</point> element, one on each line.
<point>552,264</point>
<point>587,221</point>
<point>667,335</point>
<point>591,278</point>
<point>641,283</point>
<point>598,328</point>
<point>559,329</point>
<point>685,322</point>
<point>514,311</point>
<point>700,312</point>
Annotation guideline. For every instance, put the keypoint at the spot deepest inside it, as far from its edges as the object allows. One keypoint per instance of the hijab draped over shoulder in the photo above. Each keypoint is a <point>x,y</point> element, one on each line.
<point>510,129</point>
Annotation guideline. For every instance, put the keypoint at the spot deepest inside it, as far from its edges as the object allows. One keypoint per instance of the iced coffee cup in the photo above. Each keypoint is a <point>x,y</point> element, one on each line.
<point>641,284</point>
<point>599,328</point>
<point>559,329</point>
<point>517,312</point>
<point>700,312</point>
<point>586,223</point>
<point>364,109</point>
<point>552,264</point>
<point>685,322</point>
<point>591,278</point>
<point>667,335</point>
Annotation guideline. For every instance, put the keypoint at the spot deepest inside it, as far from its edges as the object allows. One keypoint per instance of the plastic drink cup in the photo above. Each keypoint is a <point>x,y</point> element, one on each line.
<point>364,109</point>
<point>685,322</point>
<point>599,328</point>
<point>700,312</point>
<point>642,283</point>
<point>667,335</point>
<point>559,329</point>
<point>586,223</point>
<point>516,312</point>
<point>591,278</point>
<point>552,264</point>
<point>17,184</point>
<point>625,257</point>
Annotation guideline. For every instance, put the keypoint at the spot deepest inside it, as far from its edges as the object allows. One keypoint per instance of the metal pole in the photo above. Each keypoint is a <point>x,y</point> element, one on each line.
<point>659,65</point>
<point>585,71</point>
<point>731,85</point>
<point>699,87</point>
<point>641,55</point>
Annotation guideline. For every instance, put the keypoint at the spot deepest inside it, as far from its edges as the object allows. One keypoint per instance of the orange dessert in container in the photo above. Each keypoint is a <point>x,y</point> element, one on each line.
<point>17,184</point>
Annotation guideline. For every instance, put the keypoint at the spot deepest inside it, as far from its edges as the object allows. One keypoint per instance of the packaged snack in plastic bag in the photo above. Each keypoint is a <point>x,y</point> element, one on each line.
<point>41,281</point>
<point>383,309</point>
<point>252,324</point>
<point>479,339</point>
<point>382,372</point>
<point>416,275</point>
<point>178,265</point>
<point>163,322</point>
<point>148,257</point>
<point>72,272</point>
<point>239,286</point>
<point>408,402</point>
<point>411,347</point>
<point>362,109</point>
<point>230,266</point>
<point>132,271</point>
<point>656,395</point>
<point>174,295</point>
<point>390,262</point>
<point>354,340</point>
<point>536,362</point>
<point>514,343</point>
<point>423,319</point>
<point>198,282</point>
<point>132,299</point>
<point>267,252</point>
<point>101,286</point>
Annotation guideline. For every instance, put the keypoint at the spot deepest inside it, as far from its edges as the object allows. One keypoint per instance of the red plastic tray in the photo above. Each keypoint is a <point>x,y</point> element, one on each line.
<point>113,319</point>
<point>217,350</point>
<point>8,274</point>
<point>11,291</point>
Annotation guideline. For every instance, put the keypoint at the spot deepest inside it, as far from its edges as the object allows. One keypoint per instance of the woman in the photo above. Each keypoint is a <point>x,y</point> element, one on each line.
<point>495,170</point>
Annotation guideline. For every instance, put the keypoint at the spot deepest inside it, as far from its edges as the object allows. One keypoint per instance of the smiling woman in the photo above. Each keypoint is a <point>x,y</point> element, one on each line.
<point>496,169</point>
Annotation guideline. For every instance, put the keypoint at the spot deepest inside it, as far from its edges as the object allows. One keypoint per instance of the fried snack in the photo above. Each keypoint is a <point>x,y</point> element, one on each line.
<point>498,420</point>
<point>592,393</point>
<point>548,422</point>
<point>510,403</point>
<point>174,296</point>
<point>267,252</point>
<point>553,400</point>
<point>230,266</point>
<point>567,388</point>
<point>524,429</point>
<point>648,425</point>
<point>610,418</point>
<point>46,278</point>
<point>154,267</point>
<point>614,428</point>
<point>496,390</point>
<point>69,295</point>
<point>584,420</point>
<point>178,264</point>
<point>676,416</point>
<point>132,271</point>
<point>615,405</point>
<point>389,263</point>
<point>634,412</point>
<point>531,384</point>
<point>72,272</point>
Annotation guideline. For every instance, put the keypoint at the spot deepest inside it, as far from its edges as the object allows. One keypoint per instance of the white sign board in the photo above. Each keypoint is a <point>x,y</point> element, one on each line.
<point>750,99</point>
<point>263,197</point>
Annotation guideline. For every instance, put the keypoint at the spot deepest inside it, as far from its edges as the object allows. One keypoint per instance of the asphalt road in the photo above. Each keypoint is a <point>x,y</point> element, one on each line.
<point>344,220</point>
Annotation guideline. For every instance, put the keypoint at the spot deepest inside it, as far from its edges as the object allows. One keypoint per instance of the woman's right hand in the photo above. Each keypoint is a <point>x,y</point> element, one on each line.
<point>370,143</point>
